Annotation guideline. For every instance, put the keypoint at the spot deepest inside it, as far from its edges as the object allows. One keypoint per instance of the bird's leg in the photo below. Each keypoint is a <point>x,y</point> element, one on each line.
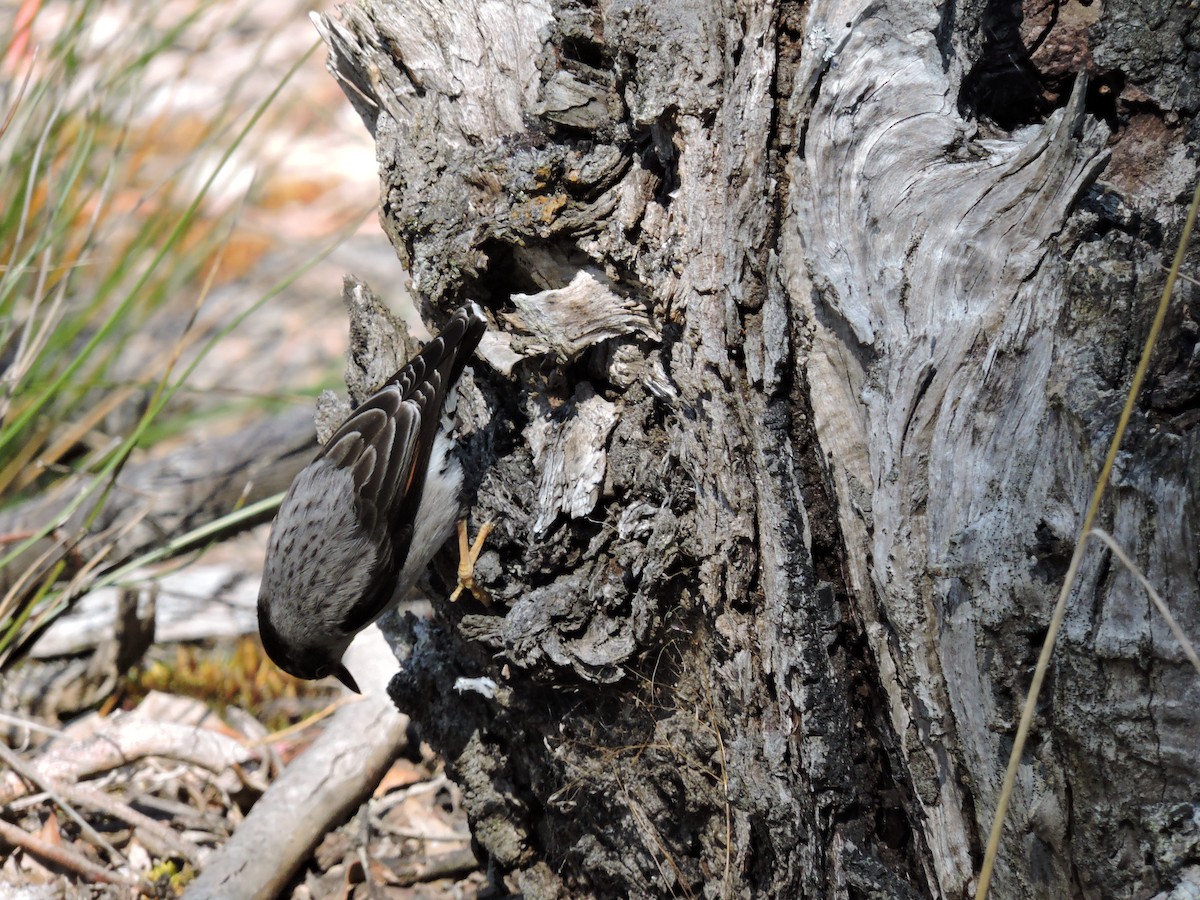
<point>467,555</point>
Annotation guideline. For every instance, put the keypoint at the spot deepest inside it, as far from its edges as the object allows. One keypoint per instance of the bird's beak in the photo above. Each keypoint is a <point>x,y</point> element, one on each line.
<point>342,674</point>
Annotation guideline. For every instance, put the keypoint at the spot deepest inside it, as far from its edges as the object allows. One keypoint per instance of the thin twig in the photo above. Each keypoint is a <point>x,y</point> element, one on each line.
<point>22,582</point>
<point>297,727</point>
<point>454,864</point>
<point>146,827</point>
<point>64,856</point>
<point>30,725</point>
<point>651,833</point>
<point>124,741</point>
<point>414,834</point>
<point>394,798</point>
<point>55,793</point>
<point>726,882</point>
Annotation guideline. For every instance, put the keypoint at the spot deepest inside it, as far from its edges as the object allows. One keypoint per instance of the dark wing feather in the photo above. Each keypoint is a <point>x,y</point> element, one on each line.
<point>441,364</point>
<point>386,443</point>
<point>376,444</point>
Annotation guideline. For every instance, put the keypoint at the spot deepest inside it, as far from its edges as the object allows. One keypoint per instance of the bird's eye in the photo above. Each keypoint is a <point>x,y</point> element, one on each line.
<point>321,672</point>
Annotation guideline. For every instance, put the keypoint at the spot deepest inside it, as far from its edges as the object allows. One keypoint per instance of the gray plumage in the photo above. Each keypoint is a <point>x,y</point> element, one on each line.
<point>361,521</point>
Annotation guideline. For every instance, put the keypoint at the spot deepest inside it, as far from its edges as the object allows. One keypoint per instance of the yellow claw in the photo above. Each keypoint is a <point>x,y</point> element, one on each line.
<point>467,556</point>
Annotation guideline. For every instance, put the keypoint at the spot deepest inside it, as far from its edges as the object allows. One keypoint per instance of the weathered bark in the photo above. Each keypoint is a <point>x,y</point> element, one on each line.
<point>798,389</point>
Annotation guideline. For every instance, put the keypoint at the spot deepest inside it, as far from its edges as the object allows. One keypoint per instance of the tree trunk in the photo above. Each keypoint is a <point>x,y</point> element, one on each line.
<point>811,326</point>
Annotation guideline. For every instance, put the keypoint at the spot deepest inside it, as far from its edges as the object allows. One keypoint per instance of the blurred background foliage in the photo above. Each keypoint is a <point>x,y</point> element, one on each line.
<point>134,176</point>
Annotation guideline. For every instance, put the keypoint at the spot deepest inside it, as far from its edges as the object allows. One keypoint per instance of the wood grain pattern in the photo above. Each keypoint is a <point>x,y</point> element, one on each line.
<point>783,654</point>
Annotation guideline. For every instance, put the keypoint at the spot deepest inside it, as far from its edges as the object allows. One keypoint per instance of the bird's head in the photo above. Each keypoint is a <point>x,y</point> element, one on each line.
<point>303,658</point>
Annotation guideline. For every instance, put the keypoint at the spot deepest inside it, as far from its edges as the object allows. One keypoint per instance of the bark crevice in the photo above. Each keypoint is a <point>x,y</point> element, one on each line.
<point>786,437</point>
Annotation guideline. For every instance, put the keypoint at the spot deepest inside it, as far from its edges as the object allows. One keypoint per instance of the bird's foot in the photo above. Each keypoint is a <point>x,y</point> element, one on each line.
<point>468,553</point>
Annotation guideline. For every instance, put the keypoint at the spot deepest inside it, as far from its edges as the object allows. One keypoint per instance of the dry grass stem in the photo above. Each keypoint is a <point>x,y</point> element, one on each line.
<point>1155,598</point>
<point>1060,606</point>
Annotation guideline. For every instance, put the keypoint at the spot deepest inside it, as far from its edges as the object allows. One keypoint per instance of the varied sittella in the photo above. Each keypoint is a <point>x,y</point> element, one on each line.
<point>360,523</point>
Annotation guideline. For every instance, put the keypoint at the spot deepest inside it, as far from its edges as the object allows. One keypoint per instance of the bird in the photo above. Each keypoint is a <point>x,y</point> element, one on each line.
<point>360,523</point>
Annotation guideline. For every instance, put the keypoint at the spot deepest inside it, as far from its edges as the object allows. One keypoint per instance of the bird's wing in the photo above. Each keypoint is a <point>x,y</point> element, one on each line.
<point>387,440</point>
<point>377,444</point>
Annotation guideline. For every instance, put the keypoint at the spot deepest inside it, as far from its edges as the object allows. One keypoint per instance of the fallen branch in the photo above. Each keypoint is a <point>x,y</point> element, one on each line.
<point>318,790</point>
<point>63,856</point>
<point>125,741</point>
